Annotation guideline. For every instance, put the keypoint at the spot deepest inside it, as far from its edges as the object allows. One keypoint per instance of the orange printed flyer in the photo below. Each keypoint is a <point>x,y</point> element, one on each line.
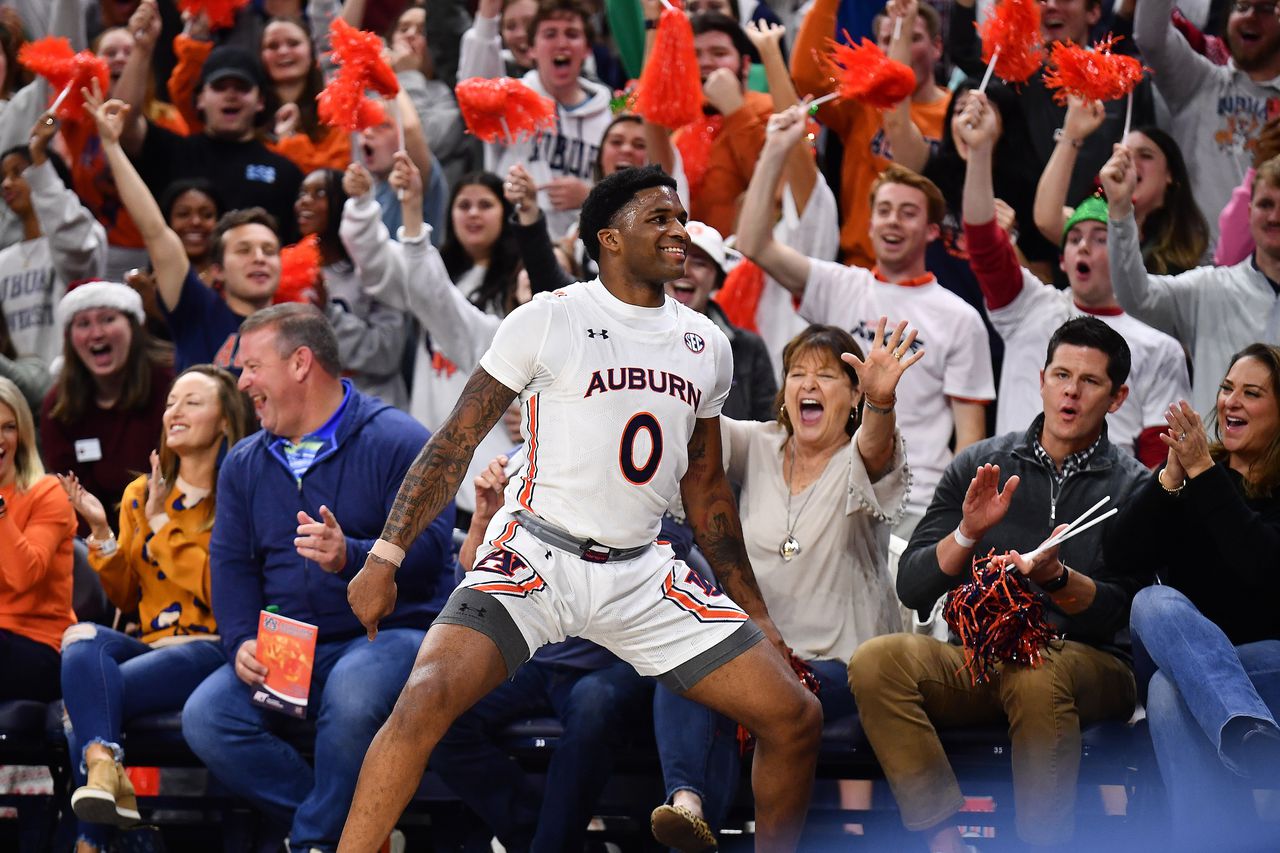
<point>287,648</point>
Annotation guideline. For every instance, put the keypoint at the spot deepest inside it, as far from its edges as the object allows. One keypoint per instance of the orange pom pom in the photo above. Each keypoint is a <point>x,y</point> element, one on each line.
<point>670,90</point>
<point>221,13</point>
<point>1093,75</point>
<point>867,75</point>
<point>53,59</point>
<point>694,143</point>
<point>503,109</point>
<point>343,102</point>
<point>299,271</point>
<point>1013,28</point>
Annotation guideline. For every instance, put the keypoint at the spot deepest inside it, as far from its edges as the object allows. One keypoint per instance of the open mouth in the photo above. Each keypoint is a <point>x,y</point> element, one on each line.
<point>1234,425</point>
<point>682,290</point>
<point>561,60</point>
<point>100,354</point>
<point>1083,269</point>
<point>891,239</point>
<point>810,411</point>
<point>231,113</point>
<point>1068,412</point>
<point>676,253</point>
<point>178,429</point>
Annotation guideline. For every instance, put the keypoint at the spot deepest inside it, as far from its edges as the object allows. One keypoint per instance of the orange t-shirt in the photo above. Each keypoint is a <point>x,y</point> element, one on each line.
<point>860,128</point>
<point>35,562</point>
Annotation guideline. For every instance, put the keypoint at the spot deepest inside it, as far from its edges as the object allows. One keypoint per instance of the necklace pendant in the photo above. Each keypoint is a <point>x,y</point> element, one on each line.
<point>789,549</point>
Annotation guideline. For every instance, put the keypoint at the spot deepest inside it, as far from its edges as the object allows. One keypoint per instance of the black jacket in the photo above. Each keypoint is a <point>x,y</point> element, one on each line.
<point>1038,506</point>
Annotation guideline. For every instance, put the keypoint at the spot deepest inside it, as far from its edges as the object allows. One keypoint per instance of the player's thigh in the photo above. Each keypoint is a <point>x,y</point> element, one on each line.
<point>455,667</point>
<point>758,689</point>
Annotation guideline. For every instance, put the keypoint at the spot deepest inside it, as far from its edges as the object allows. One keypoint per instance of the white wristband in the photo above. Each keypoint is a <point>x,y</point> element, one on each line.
<point>384,550</point>
<point>962,540</point>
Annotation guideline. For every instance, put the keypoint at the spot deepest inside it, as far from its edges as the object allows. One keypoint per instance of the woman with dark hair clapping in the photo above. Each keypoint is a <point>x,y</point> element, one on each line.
<point>1207,637</point>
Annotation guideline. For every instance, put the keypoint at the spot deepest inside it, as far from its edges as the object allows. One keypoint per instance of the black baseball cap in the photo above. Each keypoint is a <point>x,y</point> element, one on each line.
<point>227,61</point>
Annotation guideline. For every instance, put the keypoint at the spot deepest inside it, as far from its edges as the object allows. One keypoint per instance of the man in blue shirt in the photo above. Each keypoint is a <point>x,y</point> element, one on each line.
<point>299,505</point>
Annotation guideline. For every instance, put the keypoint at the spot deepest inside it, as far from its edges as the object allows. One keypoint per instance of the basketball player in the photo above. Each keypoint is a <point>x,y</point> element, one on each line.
<point>621,389</point>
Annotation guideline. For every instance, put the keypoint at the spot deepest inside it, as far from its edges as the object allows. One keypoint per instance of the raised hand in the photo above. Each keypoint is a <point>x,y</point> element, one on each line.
<point>1119,179</point>
<point>86,505</point>
<point>356,181</point>
<point>109,116</point>
<point>976,123</point>
<point>885,363</point>
<point>520,189</point>
<point>1006,217</point>
<point>985,503</point>
<point>405,177</point>
<point>144,23</point>
<point>1083,118</point>
<point>287,120</point>
<point>786,128</point>
<point>1186,440</point>
<point>44,130</point>
<point>766,36</point>
<point>322,542</point>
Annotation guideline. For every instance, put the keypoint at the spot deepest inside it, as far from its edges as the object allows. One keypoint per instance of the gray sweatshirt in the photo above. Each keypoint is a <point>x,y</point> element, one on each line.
<point>1213,311</point>
<point>1215,110</point>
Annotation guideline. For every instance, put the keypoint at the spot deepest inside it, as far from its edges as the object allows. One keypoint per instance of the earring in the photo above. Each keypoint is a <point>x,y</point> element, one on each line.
<point>782,411</point>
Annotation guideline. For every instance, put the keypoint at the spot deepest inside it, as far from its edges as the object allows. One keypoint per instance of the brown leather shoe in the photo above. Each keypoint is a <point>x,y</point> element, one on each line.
<point>681,829</point>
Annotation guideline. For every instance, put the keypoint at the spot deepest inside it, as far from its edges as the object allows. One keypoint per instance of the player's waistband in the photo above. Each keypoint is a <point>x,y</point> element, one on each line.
<point>588,549</point>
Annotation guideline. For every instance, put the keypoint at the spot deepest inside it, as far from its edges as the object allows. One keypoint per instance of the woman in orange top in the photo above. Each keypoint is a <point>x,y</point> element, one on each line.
<point>36,526</point>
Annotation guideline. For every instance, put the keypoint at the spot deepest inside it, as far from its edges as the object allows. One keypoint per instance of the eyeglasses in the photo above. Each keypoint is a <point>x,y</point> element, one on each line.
<point>1243,7</point>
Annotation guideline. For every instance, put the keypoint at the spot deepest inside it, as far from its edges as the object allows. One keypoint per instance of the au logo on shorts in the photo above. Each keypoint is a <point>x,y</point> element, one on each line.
<point>694,342</point>
<point>700,599</point>
<point>519,578</point>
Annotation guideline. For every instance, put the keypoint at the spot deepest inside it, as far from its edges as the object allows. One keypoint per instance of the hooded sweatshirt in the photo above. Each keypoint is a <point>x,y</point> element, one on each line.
<point>357,475</point>
<point>569,151</point>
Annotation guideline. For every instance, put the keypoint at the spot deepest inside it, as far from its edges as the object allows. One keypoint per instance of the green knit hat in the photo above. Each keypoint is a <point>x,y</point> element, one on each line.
<point>1092,209</point>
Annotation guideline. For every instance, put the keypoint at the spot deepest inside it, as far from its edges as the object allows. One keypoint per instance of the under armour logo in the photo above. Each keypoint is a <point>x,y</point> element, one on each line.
<point>603,333</point>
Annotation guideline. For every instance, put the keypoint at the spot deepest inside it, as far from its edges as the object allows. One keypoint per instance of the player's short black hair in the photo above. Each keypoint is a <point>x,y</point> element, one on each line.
<point>1095,334</point>
<point>611,195</point>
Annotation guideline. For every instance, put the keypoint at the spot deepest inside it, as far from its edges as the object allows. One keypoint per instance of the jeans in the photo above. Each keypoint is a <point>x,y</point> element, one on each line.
<point>699,750</point>
<point>354,685</point>
<point>109,678</point>
<point>908,686</point>
<point>1201,683</point>
<point>597,709</point>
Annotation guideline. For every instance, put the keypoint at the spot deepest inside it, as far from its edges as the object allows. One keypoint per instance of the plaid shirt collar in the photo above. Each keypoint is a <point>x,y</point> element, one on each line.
<point>1073,464</point>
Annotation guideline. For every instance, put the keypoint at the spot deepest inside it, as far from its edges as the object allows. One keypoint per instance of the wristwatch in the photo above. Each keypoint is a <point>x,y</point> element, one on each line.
<point>1057,583</point>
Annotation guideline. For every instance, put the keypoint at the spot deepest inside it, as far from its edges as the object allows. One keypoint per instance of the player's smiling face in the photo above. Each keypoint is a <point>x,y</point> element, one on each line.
<point>653,241</point>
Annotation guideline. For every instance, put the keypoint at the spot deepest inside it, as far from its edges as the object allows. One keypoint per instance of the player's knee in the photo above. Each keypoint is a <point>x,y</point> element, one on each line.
<point>796,721</point>
<point>425,704</point>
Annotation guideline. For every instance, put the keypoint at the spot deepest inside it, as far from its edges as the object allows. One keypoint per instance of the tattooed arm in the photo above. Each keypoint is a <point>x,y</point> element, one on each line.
<point>428,486</point>
<point>713,515</point>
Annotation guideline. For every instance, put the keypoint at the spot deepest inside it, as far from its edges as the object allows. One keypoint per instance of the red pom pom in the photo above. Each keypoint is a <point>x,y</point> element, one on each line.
<point>503,109</point>
<point>53,59</point>
<point>998,618</point>
<point>1093,75</point>
<point>1013,27</point>
<point>867,75</point>
<point>358,54</point>
<point>670,90</point>
<point>221,13</point>
<point>299,271</point>
<point>694,143</point>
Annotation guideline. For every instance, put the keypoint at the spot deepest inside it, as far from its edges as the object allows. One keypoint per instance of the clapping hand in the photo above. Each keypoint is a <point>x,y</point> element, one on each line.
<point>888,358</point>
<point>157,488</point>
<point>87,505</point>
<point>985,503</point>
<point>1187,442</point>
<point>321,541</point>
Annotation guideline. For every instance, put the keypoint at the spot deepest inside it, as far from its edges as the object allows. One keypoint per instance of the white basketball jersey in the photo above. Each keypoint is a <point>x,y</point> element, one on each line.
<point>611,393</point>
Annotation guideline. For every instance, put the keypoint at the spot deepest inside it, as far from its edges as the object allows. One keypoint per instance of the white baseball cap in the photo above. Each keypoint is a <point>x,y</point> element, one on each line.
<point>708,240</point>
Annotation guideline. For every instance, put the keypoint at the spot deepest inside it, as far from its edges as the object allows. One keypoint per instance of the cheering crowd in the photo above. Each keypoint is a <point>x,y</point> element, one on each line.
<point>229,328</point>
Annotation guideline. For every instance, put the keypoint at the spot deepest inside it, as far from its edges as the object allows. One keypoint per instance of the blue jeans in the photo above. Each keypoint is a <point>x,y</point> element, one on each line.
<point>699,748</point>
<point>1200,683</point>
<point>110,678</point>
<point>354,685</point>
<point>597,709</point>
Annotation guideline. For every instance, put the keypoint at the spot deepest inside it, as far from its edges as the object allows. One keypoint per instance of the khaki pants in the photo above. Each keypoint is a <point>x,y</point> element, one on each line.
<point>907,685</point>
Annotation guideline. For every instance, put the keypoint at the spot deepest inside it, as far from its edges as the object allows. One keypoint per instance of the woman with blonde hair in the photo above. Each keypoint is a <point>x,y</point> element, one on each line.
<point>160,567</point>
<point>36,528</point>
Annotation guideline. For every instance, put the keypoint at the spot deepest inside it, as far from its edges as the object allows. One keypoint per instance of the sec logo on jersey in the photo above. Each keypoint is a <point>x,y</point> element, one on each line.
<point>694,342</point>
